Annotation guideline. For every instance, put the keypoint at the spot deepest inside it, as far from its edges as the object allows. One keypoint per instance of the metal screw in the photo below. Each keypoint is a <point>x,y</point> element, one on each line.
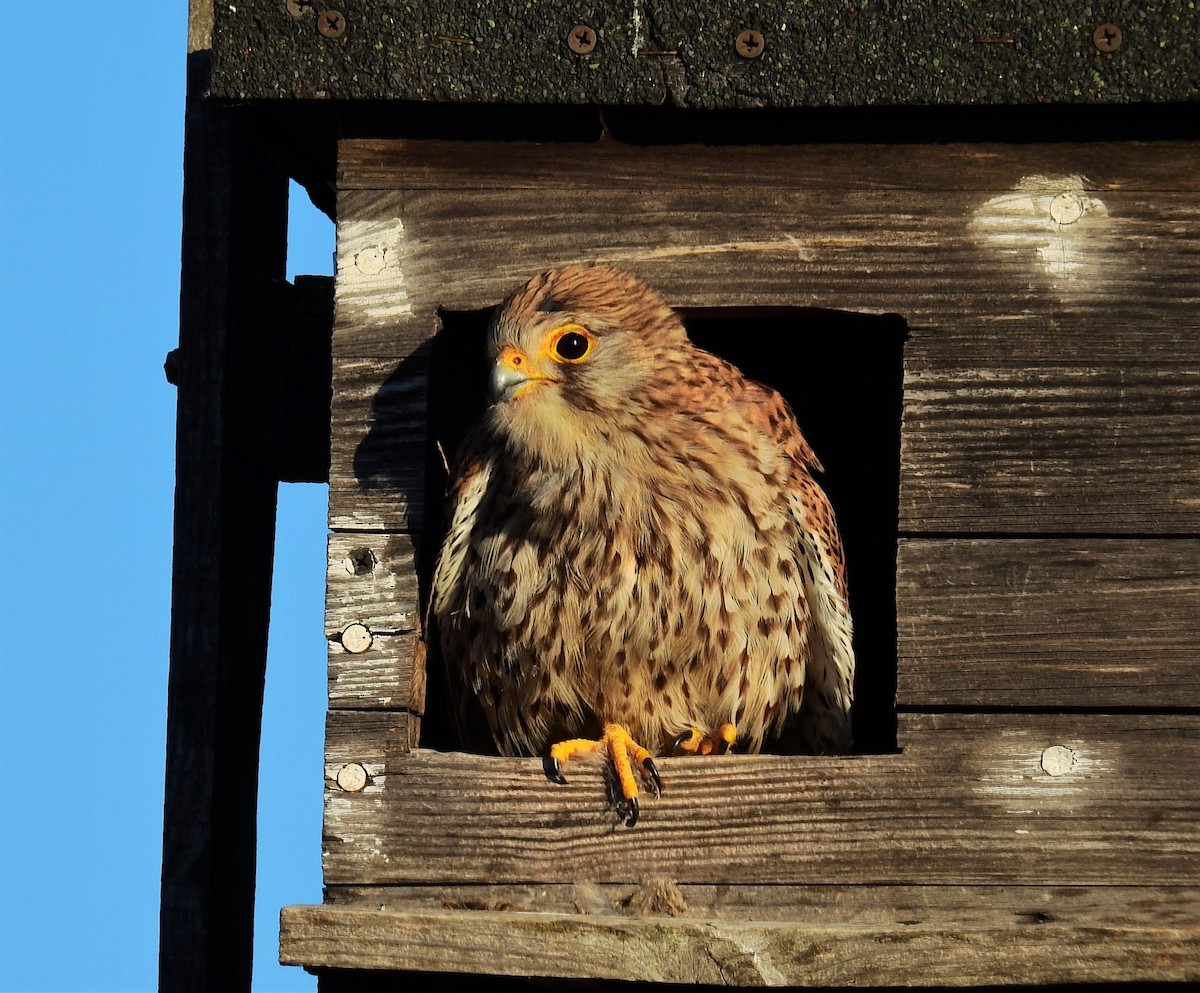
<point>581,39</point>
<point>1107,37</point>
<point>749,44</point>
<point>332,24</point>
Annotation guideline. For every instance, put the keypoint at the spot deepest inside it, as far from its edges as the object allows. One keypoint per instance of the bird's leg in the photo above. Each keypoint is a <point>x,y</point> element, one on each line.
<point>622,751</point>
<point>696,742</point>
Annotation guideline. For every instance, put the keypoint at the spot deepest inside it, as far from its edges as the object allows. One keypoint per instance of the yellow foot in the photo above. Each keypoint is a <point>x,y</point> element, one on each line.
<point>622,751</point>
<point>696,742</point>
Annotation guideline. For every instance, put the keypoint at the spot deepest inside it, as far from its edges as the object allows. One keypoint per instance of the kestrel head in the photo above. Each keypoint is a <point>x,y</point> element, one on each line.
<point>576,344</point>
<point>576,352</point>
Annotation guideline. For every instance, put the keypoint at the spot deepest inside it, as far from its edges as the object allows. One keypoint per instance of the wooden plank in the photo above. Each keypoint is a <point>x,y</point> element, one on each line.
<point>370,738</point>
<point>998,435</point>
<point>878,906</point>
<point>231,320</point>
<point>970,800</point>
<point>732,953</point>
<point>379,444</point>
<point>938,258</point>
<point>1053,360</point>
<point>304,416</point>
<point>388,673</point>
<point>1103,439</point>
<point>371,581</point>
<point>1098,623</point>
<point>416,164</point>
<point>371,621</point>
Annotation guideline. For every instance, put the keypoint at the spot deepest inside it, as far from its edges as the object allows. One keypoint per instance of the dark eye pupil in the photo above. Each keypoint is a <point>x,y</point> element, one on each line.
<point>572,346</point>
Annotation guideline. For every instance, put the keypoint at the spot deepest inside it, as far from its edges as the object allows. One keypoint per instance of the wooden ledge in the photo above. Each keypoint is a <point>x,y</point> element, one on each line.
<point>741,953</point>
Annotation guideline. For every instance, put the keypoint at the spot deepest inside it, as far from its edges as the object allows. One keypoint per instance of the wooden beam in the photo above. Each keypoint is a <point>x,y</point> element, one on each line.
<point>811,952</point>
<point>1045,799</point>
<point>424,164</point>
<point>1099,623</point>
<point>234,244</point>
<point>1050,294</point>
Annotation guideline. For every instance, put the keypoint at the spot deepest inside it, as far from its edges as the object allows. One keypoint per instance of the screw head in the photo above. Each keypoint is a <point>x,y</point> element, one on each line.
<point>332,24</point>
<point>581,39</point>
<point>749,44</point>
<point>1107,37</point>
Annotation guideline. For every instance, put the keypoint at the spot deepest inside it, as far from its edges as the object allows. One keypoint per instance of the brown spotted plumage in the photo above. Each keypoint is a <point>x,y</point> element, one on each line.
<point>637,538</point>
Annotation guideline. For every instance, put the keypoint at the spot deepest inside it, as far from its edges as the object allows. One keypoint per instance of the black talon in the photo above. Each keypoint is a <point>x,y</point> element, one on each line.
<point>629,810</point>
<point>652,772</point>
<point>725,746</point>
<point>553,770</point>
<point>677,744</point>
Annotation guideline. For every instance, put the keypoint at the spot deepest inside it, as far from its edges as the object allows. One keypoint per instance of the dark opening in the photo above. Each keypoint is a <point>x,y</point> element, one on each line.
<point>841,372</point>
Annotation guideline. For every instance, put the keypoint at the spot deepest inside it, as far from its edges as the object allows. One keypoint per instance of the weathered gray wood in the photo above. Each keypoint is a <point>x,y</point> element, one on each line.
<point>369,738</point>
<point>968,801</point>
<point>371,581</point>
<point>750,953</point>
<point>896,906</point>
<point>381,675</point>
<point>1070,623</point>
<point>999,435</point>
<point>938,258</point>
<point>657,52</point>
<point>1054,360</point>
<point>371,616</point>
<point>377,464</point>
<point>414,164</point>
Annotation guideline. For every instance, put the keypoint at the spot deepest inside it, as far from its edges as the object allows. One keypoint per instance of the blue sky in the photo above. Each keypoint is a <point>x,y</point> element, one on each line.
<point>91,143</point>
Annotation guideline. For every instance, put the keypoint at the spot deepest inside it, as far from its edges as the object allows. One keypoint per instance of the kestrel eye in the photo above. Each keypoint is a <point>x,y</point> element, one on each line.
<point>572,346</point>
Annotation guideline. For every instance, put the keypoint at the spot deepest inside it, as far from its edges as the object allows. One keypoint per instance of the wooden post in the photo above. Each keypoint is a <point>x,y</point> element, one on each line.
<point>234,249</point>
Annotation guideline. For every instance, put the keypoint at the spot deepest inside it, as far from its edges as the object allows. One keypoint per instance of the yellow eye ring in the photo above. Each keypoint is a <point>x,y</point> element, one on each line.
<point>570,343</point>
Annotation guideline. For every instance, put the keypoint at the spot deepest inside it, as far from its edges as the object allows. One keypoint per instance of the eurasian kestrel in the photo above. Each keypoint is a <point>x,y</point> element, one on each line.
<point>638,554</point>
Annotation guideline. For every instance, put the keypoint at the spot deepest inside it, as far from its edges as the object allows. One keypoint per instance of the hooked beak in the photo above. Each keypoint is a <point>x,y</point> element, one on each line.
<point>513,375</point>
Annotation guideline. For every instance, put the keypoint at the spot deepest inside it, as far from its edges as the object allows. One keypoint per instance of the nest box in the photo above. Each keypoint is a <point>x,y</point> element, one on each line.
<point>989,317</point>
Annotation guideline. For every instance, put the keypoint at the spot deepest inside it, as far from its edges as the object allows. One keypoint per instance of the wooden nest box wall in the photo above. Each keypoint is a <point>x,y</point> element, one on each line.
<point>994,346</point>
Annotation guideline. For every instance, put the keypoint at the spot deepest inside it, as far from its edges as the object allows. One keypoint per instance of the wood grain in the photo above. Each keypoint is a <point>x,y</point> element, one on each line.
<point>1070,623</point>
<point>966,802</point>
<point>937,258</point>
<point>371,580</point>
<point>378,451</point>
<point>998,435</point>
<point>1053,365</point>
<point>388,164</point>
<point>875,905</point>
<point>749,953</point>
<point>386,675</point>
